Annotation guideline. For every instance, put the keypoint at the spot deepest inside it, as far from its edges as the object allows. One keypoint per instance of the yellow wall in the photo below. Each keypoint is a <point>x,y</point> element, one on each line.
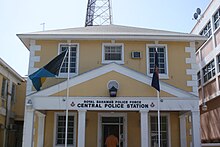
<point>175,129</point>
<point>98,87</point>
<point>35,136</point>
<point>133,128</point>
<point>49,129</point>
<point>91,129</point>
<point>90,53</point>
<point>18,106</point>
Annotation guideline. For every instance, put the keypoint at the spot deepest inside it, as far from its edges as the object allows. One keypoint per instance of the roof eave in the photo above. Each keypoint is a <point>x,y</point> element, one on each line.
<point>25,38</point>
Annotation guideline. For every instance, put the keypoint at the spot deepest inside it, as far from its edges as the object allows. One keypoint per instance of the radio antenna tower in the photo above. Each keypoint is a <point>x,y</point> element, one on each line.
<point>99,12</point>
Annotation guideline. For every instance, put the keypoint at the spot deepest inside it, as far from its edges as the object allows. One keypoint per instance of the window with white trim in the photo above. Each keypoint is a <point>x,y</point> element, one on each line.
<point>162,59</point>
<point>13,92</point>
<point>60,129</point>
<point>4,88</point>
<point>113,52</point>
<point>73,59</point>
<point>199,78</point>
<point>209,71</point>
<point>218,60</point>
<point>164,135</point>
<point>216,18</point>
<point>207,30</point>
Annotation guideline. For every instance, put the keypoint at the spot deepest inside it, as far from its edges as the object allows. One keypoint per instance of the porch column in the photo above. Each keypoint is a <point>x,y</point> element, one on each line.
<point>28,128</point>
<point>144,128</point>
<point>81,127</point>
<point>196,138</point>
<point>41,120</point>
<point>183,141</point>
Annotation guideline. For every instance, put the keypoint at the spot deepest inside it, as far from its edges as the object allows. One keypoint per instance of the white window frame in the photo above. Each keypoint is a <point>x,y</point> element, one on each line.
<point>64,75</point>
<point>5,86</point>
<point>111,61</point>
<point>169,128</point>
<point>55,127</point>
<point>13,93</point>
<point>208,28</point>
<point>161,76</point>
<point>217,20</point>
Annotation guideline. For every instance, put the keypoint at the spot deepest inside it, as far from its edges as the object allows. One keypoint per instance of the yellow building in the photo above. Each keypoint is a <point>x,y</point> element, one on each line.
<point>103,57</point>
<point>12,101</point>
<point>208,59</point>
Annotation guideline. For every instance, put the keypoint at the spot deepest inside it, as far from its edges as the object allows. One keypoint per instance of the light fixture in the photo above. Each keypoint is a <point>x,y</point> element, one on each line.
<point>113,87</point>
<point>204,107</point>
<point>113,91</point>
<point>29,104</point>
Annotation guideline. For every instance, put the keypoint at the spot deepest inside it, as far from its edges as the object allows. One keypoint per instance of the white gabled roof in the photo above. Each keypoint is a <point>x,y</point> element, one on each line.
<point>10,69</point>
<point>110,32</point>
<point>119,69</point>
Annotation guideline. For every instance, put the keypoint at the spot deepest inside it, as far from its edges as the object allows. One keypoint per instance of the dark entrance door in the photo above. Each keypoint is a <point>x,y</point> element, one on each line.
<point>113,125</point>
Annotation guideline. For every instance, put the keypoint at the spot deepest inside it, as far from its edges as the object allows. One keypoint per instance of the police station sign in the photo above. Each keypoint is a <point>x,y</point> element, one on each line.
<point>111,104</point>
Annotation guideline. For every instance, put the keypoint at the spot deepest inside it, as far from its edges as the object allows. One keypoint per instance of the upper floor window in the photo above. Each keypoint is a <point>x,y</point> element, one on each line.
<point>199,78</point>
<point>209,71</point>
<point>216,18</point>
<point>218,60</point>
<point>207,31</point>
<point>162,59</point>
<point>13,92</point>
<point>60,130</point>
<point>4,88</point>
<point>113,52</point>
<point>73,59</point>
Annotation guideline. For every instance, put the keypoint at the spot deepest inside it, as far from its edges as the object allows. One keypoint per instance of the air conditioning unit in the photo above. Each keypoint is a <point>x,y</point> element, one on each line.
<point>136,55</point>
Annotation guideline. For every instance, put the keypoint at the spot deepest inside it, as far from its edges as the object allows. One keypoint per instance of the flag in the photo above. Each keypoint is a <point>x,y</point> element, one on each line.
<point>49,70</point>
<point>155,80</point>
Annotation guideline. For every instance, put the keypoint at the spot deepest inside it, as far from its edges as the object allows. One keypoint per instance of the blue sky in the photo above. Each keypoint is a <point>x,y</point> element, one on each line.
<point>23,16</point>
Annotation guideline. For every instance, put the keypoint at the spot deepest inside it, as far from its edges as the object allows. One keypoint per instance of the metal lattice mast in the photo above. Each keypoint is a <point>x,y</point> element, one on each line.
<point>98,12</point>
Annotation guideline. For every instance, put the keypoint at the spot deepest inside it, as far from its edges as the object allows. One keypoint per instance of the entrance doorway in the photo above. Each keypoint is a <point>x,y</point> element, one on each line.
<point>112,124</point>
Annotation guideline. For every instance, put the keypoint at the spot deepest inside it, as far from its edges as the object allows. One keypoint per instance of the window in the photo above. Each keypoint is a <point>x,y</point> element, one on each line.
<point>216,18</point>
<point>164,136</point>
<point>218,60</point>
<point>199,78</point>
<point>207,31</point>
<point>60,129</point>
<point>73,59</point>
<point>4,88</point>
<point>209,71</point>
<point>113,52</point>
<point>13,92</point>
<point>162,59</point>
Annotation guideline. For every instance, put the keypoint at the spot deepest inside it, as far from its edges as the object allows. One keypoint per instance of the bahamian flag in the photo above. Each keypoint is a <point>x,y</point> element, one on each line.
<point>155,80</point>
<point>49,70</point>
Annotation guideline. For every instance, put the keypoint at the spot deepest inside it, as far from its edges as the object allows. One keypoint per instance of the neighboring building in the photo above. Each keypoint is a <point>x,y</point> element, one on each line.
<point>120,56</point>
<point>12,100</point>
<point>208,59</point>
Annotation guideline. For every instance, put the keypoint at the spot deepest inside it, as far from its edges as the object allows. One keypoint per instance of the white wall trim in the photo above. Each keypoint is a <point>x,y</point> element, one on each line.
<point>119,69</point>
<point>194,68</point>
<point>32,60</point>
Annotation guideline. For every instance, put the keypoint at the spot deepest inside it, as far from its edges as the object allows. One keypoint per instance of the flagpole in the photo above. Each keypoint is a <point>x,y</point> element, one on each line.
<point>158,115</point>
<point>67,96</point>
